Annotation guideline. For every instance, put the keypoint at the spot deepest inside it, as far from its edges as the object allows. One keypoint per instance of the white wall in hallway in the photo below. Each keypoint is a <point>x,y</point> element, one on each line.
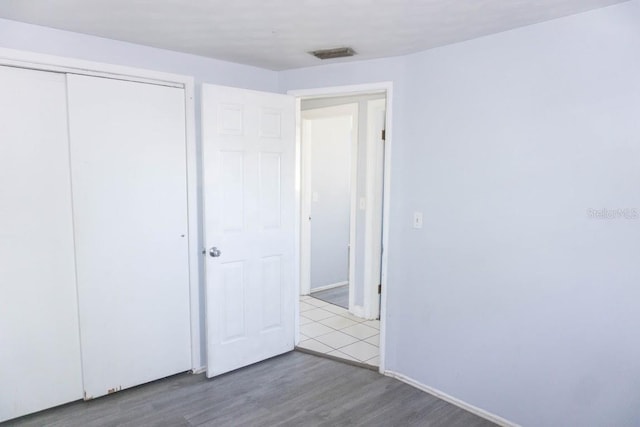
<point>330,142</point>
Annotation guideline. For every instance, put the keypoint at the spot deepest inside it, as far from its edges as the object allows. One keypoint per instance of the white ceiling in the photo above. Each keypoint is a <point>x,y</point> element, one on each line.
<point>277,34</point>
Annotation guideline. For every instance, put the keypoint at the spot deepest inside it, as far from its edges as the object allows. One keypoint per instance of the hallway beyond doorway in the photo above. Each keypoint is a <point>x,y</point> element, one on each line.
<point>337,296</point>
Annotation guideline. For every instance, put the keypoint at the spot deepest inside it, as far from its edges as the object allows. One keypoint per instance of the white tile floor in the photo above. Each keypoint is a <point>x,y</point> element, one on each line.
<point>327,328</point>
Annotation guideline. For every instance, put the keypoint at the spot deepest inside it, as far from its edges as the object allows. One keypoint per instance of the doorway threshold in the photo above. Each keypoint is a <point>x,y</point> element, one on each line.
<point>337,359</point>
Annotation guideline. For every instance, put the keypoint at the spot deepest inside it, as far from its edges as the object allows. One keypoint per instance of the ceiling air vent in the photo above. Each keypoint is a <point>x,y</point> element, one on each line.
<point>339,52</point>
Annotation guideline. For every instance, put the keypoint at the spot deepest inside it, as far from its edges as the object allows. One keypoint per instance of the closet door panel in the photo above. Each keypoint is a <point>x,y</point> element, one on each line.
<point>39,336</point>
<point>128,164</point>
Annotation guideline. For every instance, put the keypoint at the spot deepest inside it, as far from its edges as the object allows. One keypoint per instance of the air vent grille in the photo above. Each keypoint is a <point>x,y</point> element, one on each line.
<point>340,52</point>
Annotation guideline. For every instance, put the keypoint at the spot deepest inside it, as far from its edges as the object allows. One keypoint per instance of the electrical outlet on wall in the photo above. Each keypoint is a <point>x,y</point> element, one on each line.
<point>417,220</point>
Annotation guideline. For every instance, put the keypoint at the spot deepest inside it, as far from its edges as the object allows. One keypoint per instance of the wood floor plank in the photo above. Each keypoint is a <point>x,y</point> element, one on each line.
<point>294,389</point>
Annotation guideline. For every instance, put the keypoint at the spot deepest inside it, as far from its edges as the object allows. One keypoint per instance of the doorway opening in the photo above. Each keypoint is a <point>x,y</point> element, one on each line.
<point>329,177</point>
<point>342,181</point>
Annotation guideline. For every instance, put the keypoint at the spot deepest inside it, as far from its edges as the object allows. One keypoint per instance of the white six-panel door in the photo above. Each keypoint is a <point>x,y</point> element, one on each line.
<point>128,166</point>
<point>39,337</point>
<point>249,195</point>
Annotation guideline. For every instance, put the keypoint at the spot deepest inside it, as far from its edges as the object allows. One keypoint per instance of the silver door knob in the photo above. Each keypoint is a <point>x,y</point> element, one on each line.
<point>215,252</point>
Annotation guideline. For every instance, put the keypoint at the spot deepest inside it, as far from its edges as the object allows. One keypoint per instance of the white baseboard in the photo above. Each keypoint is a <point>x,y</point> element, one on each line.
<point>454,401</point>
<point>199,370</point>
<point>327,287</point>
<point>358,311</point>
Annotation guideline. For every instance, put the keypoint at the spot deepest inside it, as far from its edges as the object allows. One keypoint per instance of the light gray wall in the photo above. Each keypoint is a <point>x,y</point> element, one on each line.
<point>331,139</point>
<point>16,35</point>
<point>511,298</point>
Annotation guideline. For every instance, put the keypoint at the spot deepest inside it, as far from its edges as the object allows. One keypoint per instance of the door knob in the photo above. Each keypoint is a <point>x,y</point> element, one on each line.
<point>215,252</point>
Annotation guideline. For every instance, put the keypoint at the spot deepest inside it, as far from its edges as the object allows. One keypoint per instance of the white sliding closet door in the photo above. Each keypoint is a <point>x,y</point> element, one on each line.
<point>39,337</point>
<point>130,214</point>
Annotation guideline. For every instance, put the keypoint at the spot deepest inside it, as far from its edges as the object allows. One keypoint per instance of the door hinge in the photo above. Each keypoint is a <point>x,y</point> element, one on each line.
<point>384,134</point>
<point>379,289</point>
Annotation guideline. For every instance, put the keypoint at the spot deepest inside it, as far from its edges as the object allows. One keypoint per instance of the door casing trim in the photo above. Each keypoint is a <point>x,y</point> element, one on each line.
<point>326,92</point>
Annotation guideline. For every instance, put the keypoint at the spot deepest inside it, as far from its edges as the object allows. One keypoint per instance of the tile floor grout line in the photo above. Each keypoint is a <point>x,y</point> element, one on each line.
<point>351,347</point>
<point>346,333</point>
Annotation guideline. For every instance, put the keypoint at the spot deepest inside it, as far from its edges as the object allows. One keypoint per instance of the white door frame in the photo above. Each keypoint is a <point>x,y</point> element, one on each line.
<point>363,89</point>
<point>38,61</point>
<point>374,196</point>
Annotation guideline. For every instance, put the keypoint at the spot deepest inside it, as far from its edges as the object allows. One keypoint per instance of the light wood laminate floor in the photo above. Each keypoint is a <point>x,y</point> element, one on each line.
<point>294,389</point>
